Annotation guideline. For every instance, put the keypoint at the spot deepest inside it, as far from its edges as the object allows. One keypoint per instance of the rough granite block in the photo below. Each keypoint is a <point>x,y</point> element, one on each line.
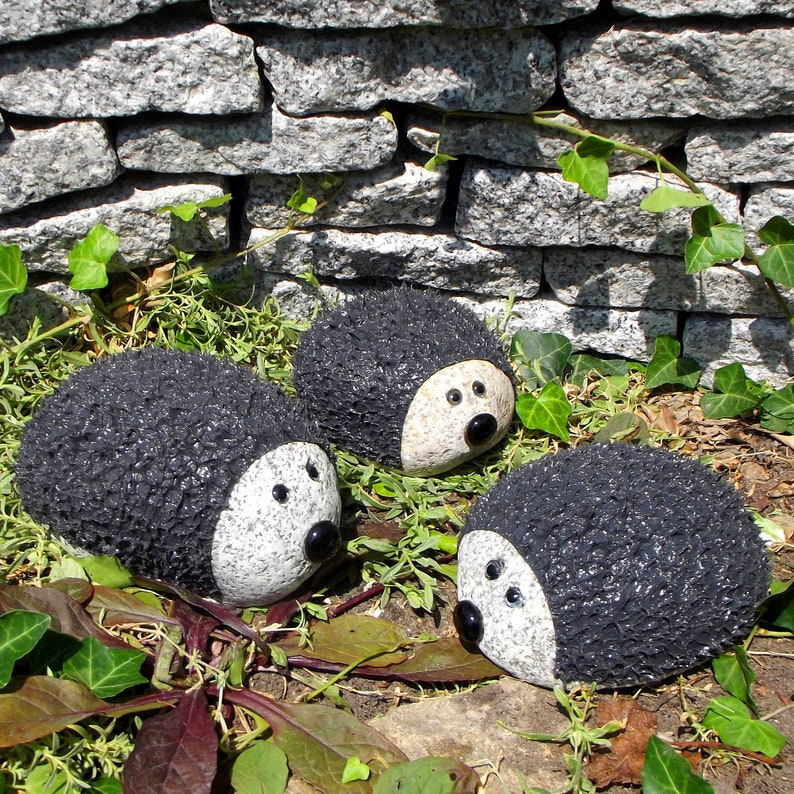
<point>129,208</point>
<point>37,306</point>
<point>399,193</point>
<point>681,8</point>
<point>440,260</point>
<point>755,151</point>
<point>268,142</point>
<point>205,69</point>
<point>21,19</point>
<point>519,142</point>
<point>764,202</point>
<point>511,206</point>
<point>36,164</point>
<point>391,13</point>
<point>612,277</point>
<point>716,70</point>
<point>763,345</point>
<point>509,71</point>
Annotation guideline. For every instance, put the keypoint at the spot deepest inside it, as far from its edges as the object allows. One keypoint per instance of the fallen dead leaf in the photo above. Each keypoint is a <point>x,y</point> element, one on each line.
<point>622,762</point>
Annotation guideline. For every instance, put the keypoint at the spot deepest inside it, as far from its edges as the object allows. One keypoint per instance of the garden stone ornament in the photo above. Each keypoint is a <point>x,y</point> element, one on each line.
<point>188,469</point>
<point>615,564</point>
<point>406,378</point>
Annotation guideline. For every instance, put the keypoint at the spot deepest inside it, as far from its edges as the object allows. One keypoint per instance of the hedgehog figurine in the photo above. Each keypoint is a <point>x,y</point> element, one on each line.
<point>613,564</point>
<point>406,378</point>
<point>188,469</point>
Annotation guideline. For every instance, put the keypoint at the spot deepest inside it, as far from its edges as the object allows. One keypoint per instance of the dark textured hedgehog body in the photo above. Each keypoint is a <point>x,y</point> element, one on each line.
<point>406,378</point>
<point>187,468</point>
<point>610,563</point>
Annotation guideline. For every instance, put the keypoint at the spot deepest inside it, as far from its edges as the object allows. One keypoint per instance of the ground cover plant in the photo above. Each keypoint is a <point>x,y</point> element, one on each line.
<point>112,683</point>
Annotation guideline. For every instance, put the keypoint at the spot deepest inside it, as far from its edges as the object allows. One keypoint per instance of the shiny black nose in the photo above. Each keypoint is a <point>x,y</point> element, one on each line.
<point>480,429</point>
<point>322,542</point>
<point>468,622</point>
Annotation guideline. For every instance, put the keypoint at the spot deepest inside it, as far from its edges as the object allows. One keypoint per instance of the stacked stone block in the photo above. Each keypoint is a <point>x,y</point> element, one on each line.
<point>109,111</point>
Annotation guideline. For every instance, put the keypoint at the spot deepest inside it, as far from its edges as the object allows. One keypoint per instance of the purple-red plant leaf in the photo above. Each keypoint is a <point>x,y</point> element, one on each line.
<point>114,607</point>
<point>196,627</point>
<point>353,638</point>
<point>40,704</point>
<point>174,752</point>
<point>78,589</point>
<point>319,740</point>
<point>442,661</point>
<point>225,616</point>
<point>68,617</point>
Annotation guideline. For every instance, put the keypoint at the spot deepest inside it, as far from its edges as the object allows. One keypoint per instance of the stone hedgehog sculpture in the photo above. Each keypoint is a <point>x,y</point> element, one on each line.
<point>616,564</point>
<point>188,469</point>
<point>406,378</point>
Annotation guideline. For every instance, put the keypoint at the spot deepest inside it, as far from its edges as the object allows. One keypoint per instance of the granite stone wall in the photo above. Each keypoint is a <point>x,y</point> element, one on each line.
<point>113,110</point>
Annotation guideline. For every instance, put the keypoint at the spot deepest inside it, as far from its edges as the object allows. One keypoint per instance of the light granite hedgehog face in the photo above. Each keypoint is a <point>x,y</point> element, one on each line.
<point>406,378</point>
<point>188,469</point>
<point>613,564</point>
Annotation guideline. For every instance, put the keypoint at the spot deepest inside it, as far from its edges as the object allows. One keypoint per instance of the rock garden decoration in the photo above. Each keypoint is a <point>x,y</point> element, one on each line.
<point>406,378</point>
<point>188,469</point>
<point>614,564</point>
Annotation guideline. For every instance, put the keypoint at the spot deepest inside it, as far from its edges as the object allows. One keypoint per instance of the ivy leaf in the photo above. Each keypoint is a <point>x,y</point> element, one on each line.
<point>583,365</point>
<point>13,275</point>
<point>105,671</point>
<point>175,751</point>
<point>664,198</point>
<point>777,410</point>
<point>732,672</point>
<point>590,172</point>
<point>438,159</point>
<point>548,412</point>
<point>666,772</point>
<point>301,202</point>
<point>355,770</point>
<point>713,240</point>
<point>89,258</point>
<point>668,367</point>
<point>777,262</point>
<point>106,571</point>
<point>19,633</point>
<point>595,146</point>
<point>777,610</point>
<point>260,769</point>
<point>625,427</point>
<point>734,393</point>
<point>185,211</point>
<point>215,201</point>
<point>731,720</point>
<point>540,357</point>
<point>428,776</point>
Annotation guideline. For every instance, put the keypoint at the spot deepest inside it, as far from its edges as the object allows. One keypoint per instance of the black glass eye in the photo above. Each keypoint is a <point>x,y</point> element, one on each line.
<point>514,597</point>
<point>311,470</point>
<point>493,570</point>
<point>454,396</point>
<point>280,493</point>
<point>478,387</point>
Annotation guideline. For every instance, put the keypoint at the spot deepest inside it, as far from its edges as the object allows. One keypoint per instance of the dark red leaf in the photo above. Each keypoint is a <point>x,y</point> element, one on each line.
<point>68,617</point>
<point>196,627</point>
<point>175,752</point>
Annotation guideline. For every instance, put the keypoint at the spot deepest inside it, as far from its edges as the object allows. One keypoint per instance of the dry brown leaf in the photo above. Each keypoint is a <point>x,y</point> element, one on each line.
<point>666,421</point>
<point>782,489</point>
<point>160,275</point>
<point>622,762</point>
